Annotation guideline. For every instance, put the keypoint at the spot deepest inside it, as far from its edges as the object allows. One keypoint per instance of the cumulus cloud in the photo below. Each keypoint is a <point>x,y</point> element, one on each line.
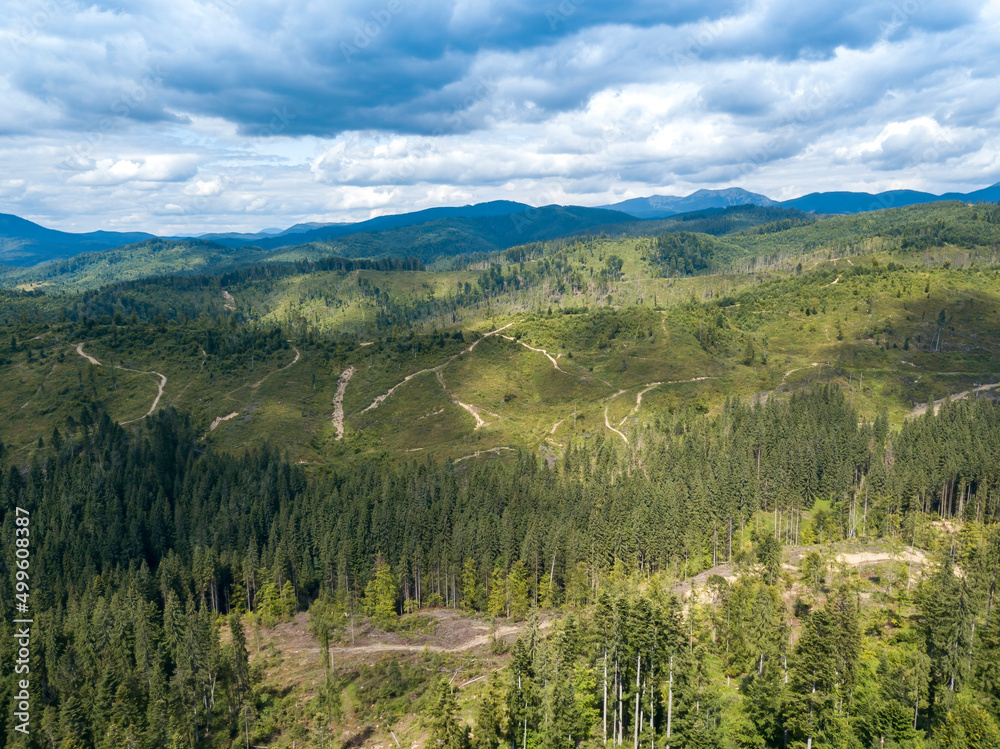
<point>918,142</point>
<point>205,188</point>
<point>155,168</point>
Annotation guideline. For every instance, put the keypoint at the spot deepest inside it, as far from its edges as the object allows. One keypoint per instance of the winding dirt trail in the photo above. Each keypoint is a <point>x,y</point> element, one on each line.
<point>156,401</point>
<point>338,401</point>
<point>477,453</point>
<point>298,355</point>
<point>608,425</point>
<point>472,410</point>
<point>653,386</point>
<point>380,399</point>
<point>638,401</point>
<point>856,559</point>
<point>909,555</point>
<point>538,350</point>
<point>159,394</point>
<point>85,355</point>
<point>922,408</point>
<point>799,369</point>
<point>219,419</point>
<point>475,642</point>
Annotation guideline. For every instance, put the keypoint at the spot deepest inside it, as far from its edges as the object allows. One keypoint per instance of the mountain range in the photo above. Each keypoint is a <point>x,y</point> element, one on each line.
<point>474,228</point>
<point>25,243</point>
<point>664,206</point>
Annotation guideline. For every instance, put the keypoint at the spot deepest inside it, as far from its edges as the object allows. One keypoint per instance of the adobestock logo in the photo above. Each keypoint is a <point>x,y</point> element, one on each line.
<point>368,32</point>
<point>29,28</point>
<point>121,108</point>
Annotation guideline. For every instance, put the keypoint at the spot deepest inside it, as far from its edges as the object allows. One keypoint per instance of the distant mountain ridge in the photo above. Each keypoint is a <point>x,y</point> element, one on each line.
<point>25,244</point>
<point>664,206</point>
<point>395,221</point>
<point>859,202</point>
<point>488,232</point>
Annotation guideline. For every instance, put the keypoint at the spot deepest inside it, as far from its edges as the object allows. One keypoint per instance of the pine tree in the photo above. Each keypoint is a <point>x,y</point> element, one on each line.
<point>496,605</point>
<point>470,587</point>
<point>489,731</point>
<point>517,587</point>
<point>810,710</point>
<point>447,731</point>
<point>759,722</point>
<point>380,595</point>
<point>287,597</point>
<point>239,670</point>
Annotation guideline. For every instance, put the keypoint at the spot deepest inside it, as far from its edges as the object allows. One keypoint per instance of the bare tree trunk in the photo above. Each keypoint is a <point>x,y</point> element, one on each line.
<point>670,699</point>
<point>635,718</point>
<point>605,695</point>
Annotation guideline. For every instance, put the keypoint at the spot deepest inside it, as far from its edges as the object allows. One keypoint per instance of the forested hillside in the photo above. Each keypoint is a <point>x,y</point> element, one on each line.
<point>167,542</point>
<point>730,484</point>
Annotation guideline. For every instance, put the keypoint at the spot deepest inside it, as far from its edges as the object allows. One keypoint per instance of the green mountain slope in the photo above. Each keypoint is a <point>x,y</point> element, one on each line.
<point>357,502</point>
<point>526,355</point>
<point>24,243</point>
<point>151,257</point>
<point>446,237</point>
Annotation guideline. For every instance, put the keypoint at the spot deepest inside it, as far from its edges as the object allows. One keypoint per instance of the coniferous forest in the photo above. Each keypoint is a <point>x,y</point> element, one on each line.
<point>583,374</point>
<point>156,554</point>
<point>632,490</point>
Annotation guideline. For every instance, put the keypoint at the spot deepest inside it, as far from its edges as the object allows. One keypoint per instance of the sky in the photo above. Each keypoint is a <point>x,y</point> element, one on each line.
<point>190,116</point>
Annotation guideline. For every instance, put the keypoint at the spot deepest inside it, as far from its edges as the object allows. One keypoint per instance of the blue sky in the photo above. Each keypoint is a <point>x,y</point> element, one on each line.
<point>179,116</point>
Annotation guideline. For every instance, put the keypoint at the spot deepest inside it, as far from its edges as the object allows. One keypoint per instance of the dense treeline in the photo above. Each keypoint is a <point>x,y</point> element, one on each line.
<point>753,219</point>
<point>683,254</point>
<point>140,539</point>
<point>894,229</point>
<point>182,297</point>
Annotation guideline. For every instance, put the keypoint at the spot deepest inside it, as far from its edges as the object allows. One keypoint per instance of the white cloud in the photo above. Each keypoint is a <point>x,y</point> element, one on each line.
<point>154,168</point>
<point>918,142</point>
<point>205,188</point>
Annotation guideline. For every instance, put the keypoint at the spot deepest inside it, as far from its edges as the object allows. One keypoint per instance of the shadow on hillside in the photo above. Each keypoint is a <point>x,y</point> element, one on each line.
<point>359,738</point>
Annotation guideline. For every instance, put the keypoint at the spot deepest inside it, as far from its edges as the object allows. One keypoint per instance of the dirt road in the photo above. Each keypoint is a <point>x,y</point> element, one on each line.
<point>380,399</point>
<point>538,350</point>
<point>338,401</point>
<point>88,357</point>
<point>298,355</point>
<point>219,419</point>
<point>922,409</point>
<point>159,394</point>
